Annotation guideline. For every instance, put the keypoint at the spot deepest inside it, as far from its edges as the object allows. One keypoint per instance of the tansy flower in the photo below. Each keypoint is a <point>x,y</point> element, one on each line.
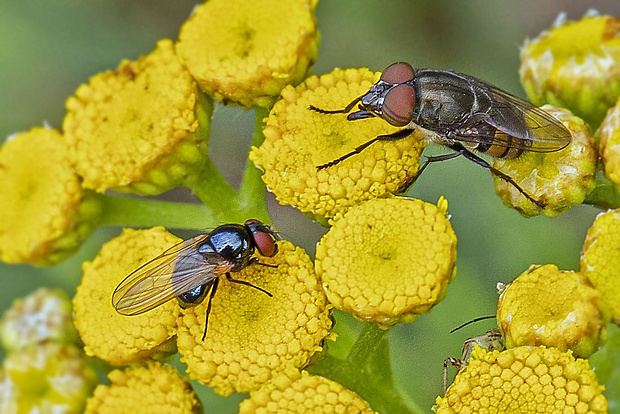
<point>44,213</point>
<point>297,140</point>
<point>524,380</point>
<point>299,392</point>
<point>42,316</point>
<point>246,52</point>
<point>252,337</point>
<point>107,334</point>
<point>560,179</point>
<point>388,260</point>
<point>575,65</point>
<point>609,138</point>
<point>46,378</point>
<point>154,388</point>
<point>600,260</point>
<point>141,128</point>
<point>547,306</point>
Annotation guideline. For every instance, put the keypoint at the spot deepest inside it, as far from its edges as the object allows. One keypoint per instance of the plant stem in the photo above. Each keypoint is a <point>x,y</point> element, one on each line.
<point>605,195</point>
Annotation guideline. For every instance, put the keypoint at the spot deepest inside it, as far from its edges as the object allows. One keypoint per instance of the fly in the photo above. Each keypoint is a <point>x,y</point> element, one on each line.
<point>191,268</point>
<point>458,111</point>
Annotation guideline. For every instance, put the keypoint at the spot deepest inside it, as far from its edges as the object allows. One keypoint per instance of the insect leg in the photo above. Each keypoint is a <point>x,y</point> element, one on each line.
<point>344,110</point>
<point>243,282</point>
<point>390,137</point>
<point>213,289</point>
<point>255,260</point>
<point>456,363</point>
<point>473,157</point>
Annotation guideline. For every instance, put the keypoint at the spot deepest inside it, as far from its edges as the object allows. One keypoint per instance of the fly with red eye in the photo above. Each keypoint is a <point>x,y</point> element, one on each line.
<point>190,269</point>
<point>458,111</point>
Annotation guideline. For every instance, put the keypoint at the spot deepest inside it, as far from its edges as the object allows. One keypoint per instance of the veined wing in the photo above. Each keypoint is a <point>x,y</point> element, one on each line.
<point>179,269</point>
<point>521,119</point>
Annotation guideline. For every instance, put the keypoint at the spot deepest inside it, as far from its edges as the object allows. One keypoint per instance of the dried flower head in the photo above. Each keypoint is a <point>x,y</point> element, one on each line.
<point>388,260</point>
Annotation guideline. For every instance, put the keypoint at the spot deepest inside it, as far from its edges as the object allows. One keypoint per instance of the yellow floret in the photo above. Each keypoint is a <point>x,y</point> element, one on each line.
<point>44,213</point>
<point>141,128</point>
<point>154,388</point>
<point>575,65</point>
<point>46,378</point>
<point>299,392</point>
<point>45,315</point>
<point>297,140</point>
<point>547,306</point>
<point>246,52</point>
<point>524,380</point>
<point>560,179</point>
<point>252,337</point>
<point>388,260</point>
<point>600,260</point>
<point>107,334</point>
<point>609,140</point>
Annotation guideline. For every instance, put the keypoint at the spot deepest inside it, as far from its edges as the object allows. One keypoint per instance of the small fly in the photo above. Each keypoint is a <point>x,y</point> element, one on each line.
<point>457,111</point>
<point>189,269</point>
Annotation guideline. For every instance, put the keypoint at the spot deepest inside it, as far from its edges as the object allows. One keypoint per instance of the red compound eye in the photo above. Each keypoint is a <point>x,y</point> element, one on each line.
<point>399,104</point>
<point>398,72</point>
<point>264,237</point>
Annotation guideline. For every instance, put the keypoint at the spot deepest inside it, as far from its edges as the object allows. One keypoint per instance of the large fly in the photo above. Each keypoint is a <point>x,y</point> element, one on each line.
<point>458,111</point>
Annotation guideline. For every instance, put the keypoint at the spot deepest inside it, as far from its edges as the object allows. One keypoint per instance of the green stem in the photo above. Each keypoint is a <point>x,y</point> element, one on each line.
<point>144,212</point>
<point>605,195</point>
<point>367,371</point>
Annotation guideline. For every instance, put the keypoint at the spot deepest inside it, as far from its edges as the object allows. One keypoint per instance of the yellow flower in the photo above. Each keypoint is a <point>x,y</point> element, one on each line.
<point>524,380</point>
<point>46,378</point>
<point>600,260</point>
<point>252,336</point>
<point>154,388</point>
<point>575,65</point>
<point>246,52</point>
<point>107,334</point>
<point>547,306</point>
<point>42,316</point>
<point>388,260</point>
<point>141,128</point>
<point>299,392</point>
<point>609,138</point>
<point>561,179</point>
<point>44,213</point>
<point>297,140</point>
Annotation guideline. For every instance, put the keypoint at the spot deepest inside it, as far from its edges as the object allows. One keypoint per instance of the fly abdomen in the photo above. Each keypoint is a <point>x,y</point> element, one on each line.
<point>504,146</point>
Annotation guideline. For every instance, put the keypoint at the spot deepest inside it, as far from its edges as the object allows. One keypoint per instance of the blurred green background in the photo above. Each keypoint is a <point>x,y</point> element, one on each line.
<point>48,48</point>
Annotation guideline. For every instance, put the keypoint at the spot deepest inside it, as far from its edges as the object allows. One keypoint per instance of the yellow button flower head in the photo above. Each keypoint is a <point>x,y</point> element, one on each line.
<point>44,213</point>
<point>609,138</point>
<point>107,334</point>
<point>388,260</point>
<point>524,380</point>
<point>46,378</point>
<point>561,179</point>
<point>600,260</point>
<point>154,388</point>
<point>297,140</point>
<point>252,336</point>
<point>575,65</point>
<point>42,316</point>
<point>137,128</point>
<point>246,52</point>
<point>299,392</point>
<point>547,306</point>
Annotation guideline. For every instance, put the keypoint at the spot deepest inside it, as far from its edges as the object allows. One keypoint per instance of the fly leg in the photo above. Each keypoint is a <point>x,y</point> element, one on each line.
<point>389,137</point>
<point>473,157</point>
<point>345,110</point>
<point>243,282</point>
<point>429,160</point>
<point>213,289</point>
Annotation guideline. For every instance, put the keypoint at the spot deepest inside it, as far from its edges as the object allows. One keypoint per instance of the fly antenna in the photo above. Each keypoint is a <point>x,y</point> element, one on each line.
<point>478,319</point>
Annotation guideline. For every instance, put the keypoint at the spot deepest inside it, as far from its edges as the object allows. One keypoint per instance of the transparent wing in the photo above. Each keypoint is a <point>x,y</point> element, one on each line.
<point>519,118</point>
<point>179,269</point>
